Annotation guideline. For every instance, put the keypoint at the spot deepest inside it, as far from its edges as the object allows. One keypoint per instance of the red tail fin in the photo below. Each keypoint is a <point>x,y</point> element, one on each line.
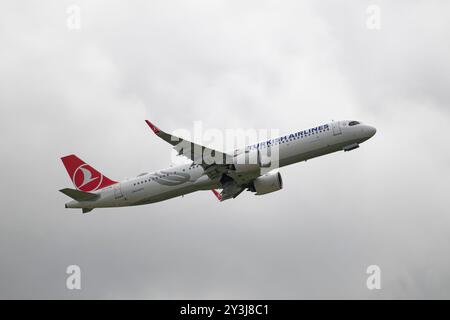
<point>85,177</point>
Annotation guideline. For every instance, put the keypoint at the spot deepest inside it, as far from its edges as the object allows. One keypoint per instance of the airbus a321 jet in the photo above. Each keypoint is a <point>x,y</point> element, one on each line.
<point>211,169</point>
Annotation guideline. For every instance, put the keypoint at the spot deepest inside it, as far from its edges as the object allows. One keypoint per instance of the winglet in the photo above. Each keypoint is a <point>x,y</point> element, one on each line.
<point>154,128</point>
<point>217,194</point>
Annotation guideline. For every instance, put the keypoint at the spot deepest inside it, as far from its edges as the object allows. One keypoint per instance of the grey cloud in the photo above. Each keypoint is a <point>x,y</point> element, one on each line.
<point>252,65</point>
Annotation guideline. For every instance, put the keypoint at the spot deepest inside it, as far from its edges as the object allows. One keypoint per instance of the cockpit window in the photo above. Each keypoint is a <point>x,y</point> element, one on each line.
<point>353,123</point>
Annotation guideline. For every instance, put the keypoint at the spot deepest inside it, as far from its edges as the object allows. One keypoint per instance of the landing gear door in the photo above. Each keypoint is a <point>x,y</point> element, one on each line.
<point>336,128</point>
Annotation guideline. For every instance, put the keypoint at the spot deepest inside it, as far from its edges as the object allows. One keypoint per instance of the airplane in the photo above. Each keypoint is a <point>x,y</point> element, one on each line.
<point>211,169</point>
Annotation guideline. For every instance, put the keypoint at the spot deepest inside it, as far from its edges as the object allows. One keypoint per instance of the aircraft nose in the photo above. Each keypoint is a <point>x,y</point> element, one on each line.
<point>371,131</point>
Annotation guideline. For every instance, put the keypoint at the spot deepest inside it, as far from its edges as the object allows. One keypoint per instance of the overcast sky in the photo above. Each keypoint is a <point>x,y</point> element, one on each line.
<point>285,65</point>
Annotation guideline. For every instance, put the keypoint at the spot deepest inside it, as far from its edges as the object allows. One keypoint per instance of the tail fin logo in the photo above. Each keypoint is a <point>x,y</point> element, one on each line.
<point>85,178</point>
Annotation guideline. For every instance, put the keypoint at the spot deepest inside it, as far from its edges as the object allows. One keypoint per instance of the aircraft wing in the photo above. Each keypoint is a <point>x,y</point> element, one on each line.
<point>215,163</point>
<point>199,154</point>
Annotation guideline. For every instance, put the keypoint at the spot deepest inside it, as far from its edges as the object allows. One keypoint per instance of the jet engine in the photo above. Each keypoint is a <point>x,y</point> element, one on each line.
<point>270,182</point>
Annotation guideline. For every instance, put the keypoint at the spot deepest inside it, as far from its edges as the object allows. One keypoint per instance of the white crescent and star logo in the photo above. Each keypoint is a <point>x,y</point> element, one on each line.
<point>85,178</point>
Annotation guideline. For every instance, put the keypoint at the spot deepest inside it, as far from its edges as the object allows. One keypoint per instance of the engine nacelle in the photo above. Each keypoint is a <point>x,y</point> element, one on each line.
<point>268,183</point>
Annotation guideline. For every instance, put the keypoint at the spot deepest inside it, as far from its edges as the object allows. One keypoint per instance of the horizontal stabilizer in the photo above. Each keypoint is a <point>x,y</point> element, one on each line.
<point>79,195</point>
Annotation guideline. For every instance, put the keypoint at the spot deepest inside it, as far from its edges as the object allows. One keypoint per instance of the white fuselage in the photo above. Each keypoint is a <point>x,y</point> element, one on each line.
<point>183,179</point>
